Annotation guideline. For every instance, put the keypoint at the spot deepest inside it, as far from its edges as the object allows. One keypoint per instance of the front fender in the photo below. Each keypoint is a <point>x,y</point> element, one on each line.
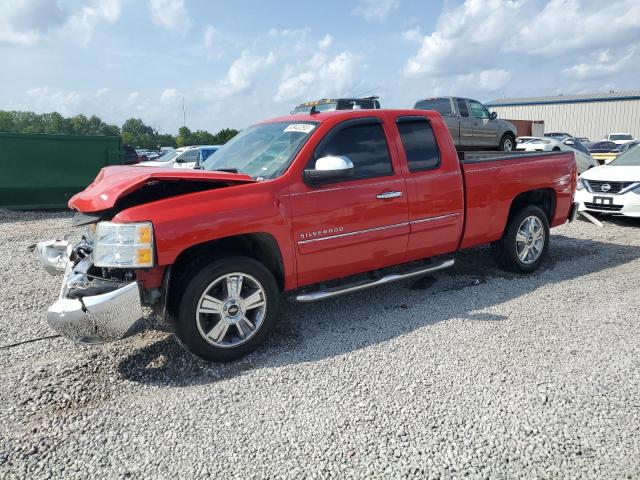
<point>196,218</point>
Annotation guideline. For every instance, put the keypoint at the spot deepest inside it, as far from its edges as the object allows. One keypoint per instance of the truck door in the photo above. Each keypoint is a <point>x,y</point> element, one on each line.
<point>485,130</point>
<point>467,125</point>
<point>434,186</point>
<point>358,224</point>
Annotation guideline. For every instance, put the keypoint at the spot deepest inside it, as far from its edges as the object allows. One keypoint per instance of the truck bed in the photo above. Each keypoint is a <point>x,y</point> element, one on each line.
<point>494,179</point>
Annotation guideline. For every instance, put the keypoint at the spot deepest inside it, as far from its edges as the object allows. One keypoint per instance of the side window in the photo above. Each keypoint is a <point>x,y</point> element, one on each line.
<point>478,110</point>
<point>419,144</point>
<point>365,145</point>
<point>440,105</point>
<point>365,104</point>
<point>188,156</point>
<point>462,107</point>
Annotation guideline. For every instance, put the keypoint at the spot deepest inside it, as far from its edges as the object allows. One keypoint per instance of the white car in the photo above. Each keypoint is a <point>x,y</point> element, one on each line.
<point>584,160</point>
<point>619,138</point>
<point>612,188</point>
<point>183,157</point>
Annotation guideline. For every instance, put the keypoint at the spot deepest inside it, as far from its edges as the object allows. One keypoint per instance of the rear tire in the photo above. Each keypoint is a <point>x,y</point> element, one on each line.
<point>227,309</point>
<point>507,143</point>
<point>525,241</point>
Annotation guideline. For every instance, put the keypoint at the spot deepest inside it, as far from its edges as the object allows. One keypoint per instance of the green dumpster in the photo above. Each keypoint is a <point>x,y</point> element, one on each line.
<point>44,171</point>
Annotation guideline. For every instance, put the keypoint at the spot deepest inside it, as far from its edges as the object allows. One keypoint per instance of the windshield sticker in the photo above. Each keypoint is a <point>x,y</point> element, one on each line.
<point>300,127</point>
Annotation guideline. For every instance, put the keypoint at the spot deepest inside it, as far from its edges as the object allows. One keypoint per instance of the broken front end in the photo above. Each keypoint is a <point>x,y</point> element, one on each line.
<point>100,298</point>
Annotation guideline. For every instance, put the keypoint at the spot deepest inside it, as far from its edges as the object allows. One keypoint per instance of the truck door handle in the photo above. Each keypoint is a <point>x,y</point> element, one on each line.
<point>386,195</point>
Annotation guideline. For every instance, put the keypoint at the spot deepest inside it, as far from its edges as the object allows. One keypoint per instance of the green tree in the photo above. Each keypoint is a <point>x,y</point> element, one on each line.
<point>137,127</point>
<point>184,137</point>
<point>224,135</point>
<point>7,122</point>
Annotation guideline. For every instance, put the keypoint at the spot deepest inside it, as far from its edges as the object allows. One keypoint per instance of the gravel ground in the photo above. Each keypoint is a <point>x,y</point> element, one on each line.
<point>471,372</point>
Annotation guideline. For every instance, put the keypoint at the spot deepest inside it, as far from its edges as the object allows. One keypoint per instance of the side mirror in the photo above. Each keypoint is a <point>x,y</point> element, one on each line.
<point>329,169</point>
<point>493,115</point>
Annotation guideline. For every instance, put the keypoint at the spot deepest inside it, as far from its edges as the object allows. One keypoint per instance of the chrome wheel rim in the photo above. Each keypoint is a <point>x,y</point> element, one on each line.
<point>231,310</point>
<point>508,146</point>
<point>530,240</point>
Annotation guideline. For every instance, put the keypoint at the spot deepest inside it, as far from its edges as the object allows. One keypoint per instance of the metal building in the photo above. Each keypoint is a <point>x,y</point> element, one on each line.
<point>591,115</point>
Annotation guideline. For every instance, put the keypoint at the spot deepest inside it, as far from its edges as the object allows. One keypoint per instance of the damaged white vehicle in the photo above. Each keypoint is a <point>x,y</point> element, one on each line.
<point>613,188</point>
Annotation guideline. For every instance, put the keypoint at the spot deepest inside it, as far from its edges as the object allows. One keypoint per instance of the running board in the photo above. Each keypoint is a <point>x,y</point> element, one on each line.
<point>354,287</point>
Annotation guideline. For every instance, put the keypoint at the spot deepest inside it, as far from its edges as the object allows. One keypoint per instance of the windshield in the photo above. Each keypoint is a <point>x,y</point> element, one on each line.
<point>620,136</point>
<point>167,156</point>
<point>323,107</point>
<point>626,146</point>
<point>261,151</point>
<point>630,158</point>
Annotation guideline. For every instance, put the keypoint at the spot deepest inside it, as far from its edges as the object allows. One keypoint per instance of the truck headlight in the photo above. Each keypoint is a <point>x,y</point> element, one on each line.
<point>124,245</point>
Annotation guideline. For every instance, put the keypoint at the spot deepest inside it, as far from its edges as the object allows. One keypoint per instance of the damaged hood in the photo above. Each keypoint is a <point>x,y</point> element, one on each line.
<point>116,182</point>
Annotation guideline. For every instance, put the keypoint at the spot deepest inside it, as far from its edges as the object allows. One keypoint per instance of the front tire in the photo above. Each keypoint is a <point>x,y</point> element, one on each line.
<point>227,309</point>
<point>525,242</point>
<point>507,143</point>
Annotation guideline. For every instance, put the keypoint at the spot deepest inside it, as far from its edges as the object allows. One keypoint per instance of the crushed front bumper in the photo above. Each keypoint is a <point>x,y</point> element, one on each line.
<point>109,310</point>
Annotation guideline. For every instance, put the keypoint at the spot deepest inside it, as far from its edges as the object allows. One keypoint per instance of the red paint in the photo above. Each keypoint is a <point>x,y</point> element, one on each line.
<point>439,211</point>
<point>114,182</point>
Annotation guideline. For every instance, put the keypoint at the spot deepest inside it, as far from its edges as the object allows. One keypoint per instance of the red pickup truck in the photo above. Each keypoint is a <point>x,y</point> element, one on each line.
<point>312,206</point>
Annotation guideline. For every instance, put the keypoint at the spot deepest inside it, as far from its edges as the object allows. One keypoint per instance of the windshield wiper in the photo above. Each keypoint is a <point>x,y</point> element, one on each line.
<point>229,170</point>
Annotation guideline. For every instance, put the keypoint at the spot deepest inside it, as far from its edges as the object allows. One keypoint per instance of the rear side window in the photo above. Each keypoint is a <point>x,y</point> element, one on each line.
<point>440,105</point>
<point>462,107</point>
<point>365,145</point>
<point>419,144</point>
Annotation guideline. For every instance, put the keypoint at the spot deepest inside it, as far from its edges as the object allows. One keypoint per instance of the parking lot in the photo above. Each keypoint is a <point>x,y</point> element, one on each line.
<point>472,372</point>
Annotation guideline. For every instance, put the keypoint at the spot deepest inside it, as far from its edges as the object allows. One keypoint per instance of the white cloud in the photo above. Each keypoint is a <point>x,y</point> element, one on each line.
<point>375,9</point>
<point>209,36</point>
<point>81,25</point>
<point>102,91</point>
<point>43,99</point>
<point>168,95</point>
<point>297,32</point>
<point>28,22</point>
<point>321,76</point>
<point>170,14</point>
<point>25,22</point>
<point>491,80</point>
<point>413,35</point>
<point>603,64</point>
<point>485,34</point>
<point>241,73</point>
<point>134,96</point>
<point>325,42</point>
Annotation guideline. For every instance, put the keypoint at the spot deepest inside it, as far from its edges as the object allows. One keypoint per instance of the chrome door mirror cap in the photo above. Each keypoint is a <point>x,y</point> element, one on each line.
<point>329,169</point>
<point>334,163</point>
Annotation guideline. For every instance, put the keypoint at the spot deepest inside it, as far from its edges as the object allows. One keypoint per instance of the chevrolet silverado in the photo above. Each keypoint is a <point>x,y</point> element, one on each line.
<point>307,206</point>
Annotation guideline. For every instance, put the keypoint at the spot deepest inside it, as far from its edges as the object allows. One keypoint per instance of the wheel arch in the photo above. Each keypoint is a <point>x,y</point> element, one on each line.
<point>259,246</point>
<point>544,198</point>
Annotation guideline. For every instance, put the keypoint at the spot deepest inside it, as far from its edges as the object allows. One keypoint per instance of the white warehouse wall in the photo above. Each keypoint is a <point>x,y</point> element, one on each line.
<point>584,119</point>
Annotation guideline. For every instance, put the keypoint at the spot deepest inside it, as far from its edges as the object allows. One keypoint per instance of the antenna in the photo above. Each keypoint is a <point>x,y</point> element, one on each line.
<point>184,114</point>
